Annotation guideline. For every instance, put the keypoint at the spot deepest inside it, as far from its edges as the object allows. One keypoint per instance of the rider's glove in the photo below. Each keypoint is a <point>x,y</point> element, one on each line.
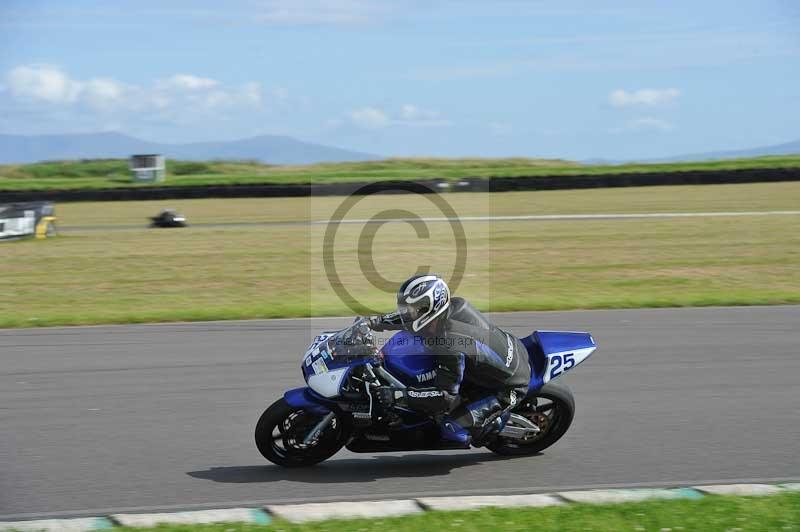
<point>358,333</point>
<point>376,323</point>
<point>388,396</point>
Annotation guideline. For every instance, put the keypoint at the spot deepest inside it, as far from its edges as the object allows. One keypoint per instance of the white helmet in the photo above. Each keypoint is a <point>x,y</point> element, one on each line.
<point>421,299</point>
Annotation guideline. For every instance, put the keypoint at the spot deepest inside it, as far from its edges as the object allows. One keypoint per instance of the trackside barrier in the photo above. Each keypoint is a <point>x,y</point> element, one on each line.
<point>467,184</point>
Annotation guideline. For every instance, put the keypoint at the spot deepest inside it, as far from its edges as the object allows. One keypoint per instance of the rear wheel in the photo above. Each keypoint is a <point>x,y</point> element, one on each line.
<point>282,430</point>
<point>551,408</point>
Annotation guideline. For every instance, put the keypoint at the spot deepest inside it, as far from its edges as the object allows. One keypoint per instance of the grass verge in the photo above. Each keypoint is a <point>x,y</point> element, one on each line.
<point>134,275</point>
<point>113,173</point>
<point>710,514</point>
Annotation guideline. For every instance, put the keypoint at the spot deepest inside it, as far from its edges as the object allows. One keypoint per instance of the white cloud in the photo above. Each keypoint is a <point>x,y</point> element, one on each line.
<point>51,85</point>
<point>369,118</point>
<point>643,97</point>
<point>413,113</point>
<point>160,101</point>
<point>216,99</point>
<point>248,95</point>
<point>408,115</point>
<point>45,83</point>
<point>651,123</point>
<point>320,12</point>
<point>251,92</point>
<point>647,123</point>
<point>179,93</point>
<point>102,93</point>
<point>188,82</point>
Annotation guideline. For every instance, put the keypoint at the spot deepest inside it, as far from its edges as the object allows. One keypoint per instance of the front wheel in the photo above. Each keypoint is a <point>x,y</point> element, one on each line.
<point>551,408</point>
<point>282,430</point>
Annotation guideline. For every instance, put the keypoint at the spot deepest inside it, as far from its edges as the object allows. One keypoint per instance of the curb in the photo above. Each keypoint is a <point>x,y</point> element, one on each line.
<point>197,517</point>
<point>64,525</point>
<point>627,495</point>
<point>500,501</point>
<point>740,489</point>
<point>300,513</point>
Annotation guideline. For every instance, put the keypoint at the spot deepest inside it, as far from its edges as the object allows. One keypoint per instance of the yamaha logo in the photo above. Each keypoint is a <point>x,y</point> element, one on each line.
<point>427,376</point>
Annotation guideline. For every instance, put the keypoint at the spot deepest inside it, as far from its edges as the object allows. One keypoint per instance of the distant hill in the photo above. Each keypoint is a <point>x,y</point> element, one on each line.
<point>266,148</point>
<point>787,148</point>
<point>269,149</point>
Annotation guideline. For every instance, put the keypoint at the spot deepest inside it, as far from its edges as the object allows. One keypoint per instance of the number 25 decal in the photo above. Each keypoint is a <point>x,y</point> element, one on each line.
<point>560,363</point>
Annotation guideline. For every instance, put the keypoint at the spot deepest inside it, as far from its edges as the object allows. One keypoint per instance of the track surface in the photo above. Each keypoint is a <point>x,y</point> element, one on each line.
<point>513,218</point>
<point>161,416</point>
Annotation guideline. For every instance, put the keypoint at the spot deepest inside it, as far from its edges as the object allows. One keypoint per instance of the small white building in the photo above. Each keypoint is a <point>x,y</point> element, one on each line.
<point>148,167</point>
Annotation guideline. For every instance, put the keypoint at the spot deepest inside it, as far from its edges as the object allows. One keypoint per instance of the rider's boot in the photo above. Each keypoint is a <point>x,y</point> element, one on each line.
<point>452,431</point>
<point>492,428</point>
<point>467,424</point>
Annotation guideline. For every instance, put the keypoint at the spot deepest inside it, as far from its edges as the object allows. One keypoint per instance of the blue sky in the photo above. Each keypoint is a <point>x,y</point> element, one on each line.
<point>572,79</point>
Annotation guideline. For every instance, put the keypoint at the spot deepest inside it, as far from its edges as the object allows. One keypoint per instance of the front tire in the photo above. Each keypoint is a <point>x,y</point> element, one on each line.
<point>281,430</point>
<point>553,415</point>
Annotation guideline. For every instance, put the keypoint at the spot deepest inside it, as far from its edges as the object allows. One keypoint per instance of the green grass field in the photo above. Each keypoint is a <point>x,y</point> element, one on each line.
<point>114,173</point>
<point>133,274</point>
<point>710,514</point>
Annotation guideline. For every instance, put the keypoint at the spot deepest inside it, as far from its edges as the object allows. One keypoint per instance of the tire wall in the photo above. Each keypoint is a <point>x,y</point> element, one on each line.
<point>496,184</point>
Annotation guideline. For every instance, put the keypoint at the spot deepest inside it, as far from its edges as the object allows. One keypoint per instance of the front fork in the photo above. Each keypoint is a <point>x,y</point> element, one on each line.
<point>306,399</point>
<point>319,428</point>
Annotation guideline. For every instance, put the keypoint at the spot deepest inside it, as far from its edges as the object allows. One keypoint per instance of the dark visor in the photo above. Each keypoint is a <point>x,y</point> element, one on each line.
<point>410,313</point>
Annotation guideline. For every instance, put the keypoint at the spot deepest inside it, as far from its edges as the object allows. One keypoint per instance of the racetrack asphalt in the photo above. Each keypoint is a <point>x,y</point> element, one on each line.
<point>147,417</point>
<point>513,218</point>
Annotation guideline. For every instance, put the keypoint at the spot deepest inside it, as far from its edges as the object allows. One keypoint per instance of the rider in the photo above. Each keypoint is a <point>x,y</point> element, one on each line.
<point>468,348</point>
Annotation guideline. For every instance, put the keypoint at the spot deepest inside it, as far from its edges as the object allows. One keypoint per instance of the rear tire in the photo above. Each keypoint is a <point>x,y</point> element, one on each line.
<point>558,419</point>
<point>282,428</point>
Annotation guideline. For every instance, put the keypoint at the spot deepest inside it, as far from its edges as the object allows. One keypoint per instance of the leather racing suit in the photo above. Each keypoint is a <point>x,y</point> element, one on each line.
<point>471,353</point>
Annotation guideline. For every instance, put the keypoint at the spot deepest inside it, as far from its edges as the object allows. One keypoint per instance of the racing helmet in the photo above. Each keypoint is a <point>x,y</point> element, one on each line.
<point>421,299</point>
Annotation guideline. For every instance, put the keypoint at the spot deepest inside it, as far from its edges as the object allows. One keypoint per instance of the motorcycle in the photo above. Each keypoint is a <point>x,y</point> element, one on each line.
<point>339,408</point>
<point>168,218</point>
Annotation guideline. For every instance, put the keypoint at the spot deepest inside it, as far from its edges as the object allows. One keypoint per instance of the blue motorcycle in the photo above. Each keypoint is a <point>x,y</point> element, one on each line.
<point>339,408</point>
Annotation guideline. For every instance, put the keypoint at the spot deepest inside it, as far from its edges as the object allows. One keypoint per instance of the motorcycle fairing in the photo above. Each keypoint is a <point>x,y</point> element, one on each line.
<point>325,373</point>
<point>329,384</point>
<point>306,399</point>
<point>407,357</point>
<point>551,353</point>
